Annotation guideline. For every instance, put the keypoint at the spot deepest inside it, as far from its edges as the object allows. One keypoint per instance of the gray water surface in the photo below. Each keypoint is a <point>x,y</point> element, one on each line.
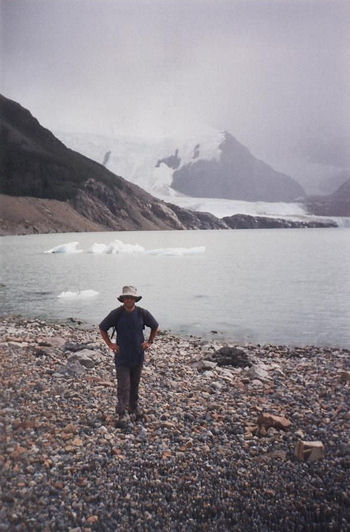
<point>285,286</point>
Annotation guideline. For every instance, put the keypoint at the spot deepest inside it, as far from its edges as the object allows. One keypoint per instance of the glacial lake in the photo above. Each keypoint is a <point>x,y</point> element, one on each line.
<point>280,286</point>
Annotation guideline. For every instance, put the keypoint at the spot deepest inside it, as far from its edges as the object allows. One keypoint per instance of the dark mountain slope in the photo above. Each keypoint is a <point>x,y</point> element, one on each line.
<point>34,163</point>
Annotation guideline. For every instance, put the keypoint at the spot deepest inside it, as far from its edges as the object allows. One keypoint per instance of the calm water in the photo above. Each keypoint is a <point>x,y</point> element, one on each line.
<point>268,286</point>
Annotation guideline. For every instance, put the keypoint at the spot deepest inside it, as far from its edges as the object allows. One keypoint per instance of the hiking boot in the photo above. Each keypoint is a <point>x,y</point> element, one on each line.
<point>122,421</point>
<point>137,414</point>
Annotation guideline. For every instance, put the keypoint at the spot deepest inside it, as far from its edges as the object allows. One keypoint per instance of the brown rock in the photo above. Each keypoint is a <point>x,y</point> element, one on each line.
<point>69,448</point>
<point>188,445</point>
<point>266,420</point>
<point>166,454</point>
<point>70,428</point>
<point>309,450</point>
<point>92,519</point>
<point>279,453</point>
<point>345,377</point>
<point>66,436</point>
<point>107,384</point>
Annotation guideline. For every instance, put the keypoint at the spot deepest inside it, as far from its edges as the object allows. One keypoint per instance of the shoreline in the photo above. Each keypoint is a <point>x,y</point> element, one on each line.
<point>215,338</point>
<point>200,461</point>
<point>330,222</point>
<point>27,215</point>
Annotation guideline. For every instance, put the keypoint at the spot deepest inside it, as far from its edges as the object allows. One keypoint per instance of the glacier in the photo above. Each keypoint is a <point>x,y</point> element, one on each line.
<point>227,207</point>
<point>140,161</point>
<point>136,158</point>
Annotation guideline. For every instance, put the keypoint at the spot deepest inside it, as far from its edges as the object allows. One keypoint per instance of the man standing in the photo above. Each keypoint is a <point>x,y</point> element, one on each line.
<point>129,322</point>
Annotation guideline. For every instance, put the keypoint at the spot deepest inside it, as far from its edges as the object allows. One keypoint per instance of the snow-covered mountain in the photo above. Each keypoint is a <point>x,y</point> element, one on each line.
<point>145,162</point>
<point>234,174</point>
<point>151,164</point>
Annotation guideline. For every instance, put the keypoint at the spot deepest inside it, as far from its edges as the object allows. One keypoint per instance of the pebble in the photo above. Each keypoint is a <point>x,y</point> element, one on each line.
<point>216,450</point>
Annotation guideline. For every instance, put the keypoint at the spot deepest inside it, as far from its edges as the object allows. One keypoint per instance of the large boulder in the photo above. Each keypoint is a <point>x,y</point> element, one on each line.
<point>231,356</point>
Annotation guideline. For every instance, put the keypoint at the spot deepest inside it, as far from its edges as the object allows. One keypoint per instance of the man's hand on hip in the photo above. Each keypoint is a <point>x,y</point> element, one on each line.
<point>115,347</point>
<point>146,345</point>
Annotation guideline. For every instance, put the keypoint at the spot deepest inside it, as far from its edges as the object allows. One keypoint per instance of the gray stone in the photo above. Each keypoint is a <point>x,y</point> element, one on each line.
<point>258,372</point>
<point>71,369</point>
<point>71,346</point>
<point>257,383</point>
<point>86,357</point>
<point>53,341</point>
<point>205,365</point>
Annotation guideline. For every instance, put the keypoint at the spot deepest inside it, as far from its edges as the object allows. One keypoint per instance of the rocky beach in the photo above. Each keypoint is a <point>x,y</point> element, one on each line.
<point>250,437</point>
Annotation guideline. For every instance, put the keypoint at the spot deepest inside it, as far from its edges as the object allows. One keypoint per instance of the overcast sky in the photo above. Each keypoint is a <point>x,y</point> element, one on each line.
<point>275,73</point>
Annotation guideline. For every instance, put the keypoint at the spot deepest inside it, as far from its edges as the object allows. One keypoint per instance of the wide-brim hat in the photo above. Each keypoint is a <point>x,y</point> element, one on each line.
<point>129,291</point>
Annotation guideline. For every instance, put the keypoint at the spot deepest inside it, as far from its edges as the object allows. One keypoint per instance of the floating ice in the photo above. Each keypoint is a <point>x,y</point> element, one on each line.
<point>83,294</point>
<point>71,247</point>
<point>177,251</point>
<point>117,246</point>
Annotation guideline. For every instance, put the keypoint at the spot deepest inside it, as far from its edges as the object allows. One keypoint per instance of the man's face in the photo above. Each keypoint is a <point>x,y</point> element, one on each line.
<point>129,302</point>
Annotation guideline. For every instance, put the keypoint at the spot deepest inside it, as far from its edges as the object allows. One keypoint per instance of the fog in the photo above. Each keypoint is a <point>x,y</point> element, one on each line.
<point>274,73</point>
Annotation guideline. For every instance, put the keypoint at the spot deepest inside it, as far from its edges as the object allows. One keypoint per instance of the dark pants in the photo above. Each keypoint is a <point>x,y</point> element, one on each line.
<point>128,380</point>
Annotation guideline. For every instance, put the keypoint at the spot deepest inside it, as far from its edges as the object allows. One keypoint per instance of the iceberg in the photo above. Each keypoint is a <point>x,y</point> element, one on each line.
<point>71,247</point>
<point>177,251</point>
<point>82,294</point>
<point>115,247</point>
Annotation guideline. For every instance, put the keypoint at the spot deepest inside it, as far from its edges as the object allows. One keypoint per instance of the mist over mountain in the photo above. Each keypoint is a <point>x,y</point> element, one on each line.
<point>271,73</point>
<point>328,185</point>
<point>335,204</point>
<point>330,151</point>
